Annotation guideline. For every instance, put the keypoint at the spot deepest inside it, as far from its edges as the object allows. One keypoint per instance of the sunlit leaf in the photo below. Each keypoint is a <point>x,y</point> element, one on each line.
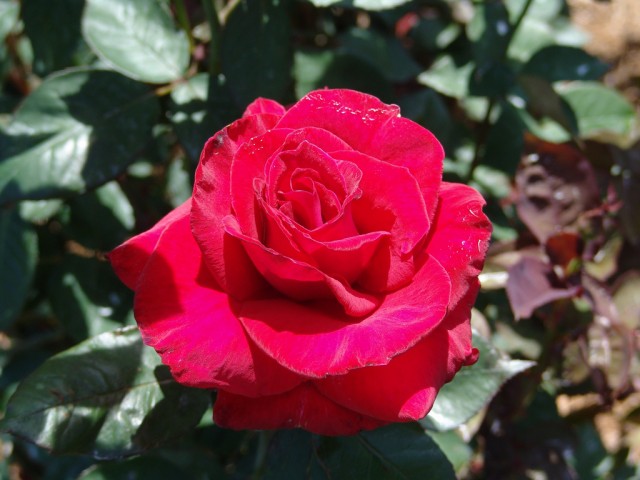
<point>79,129</point>
<point>108,397</point>
<point>139,39</point>
<point>473,387</point>
<point>365,4</point>
<point>601,112</point>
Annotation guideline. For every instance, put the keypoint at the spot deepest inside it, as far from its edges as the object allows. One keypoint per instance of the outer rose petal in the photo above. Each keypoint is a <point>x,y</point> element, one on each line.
<point>192,326</point>
<point>264,105</point>
<point>352,116</point>
<point>129,259</point>
<point>317,340</point>
<point>302,407</point>
<point>406,388</point>
<point>460,236</point>
<point>223,255</point>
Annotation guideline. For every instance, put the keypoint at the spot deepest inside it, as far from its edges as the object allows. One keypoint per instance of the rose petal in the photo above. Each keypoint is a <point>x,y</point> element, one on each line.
<point>460,236</point>
<point>302,407</point>
<point>223,255</point>
<point>192,325</point>
<point>391,201</point>
<point>264,105</point>
<point>404,143</point>
<point>406,388</point>
<point>298,280</point>
<point>316,340</point>
<point>352,116</point>
<point>129,259</point>
<point>374,128</point>
<point>248,167</point>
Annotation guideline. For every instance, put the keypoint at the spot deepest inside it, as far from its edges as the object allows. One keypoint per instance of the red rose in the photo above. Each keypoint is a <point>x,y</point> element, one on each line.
<point>322,274</point>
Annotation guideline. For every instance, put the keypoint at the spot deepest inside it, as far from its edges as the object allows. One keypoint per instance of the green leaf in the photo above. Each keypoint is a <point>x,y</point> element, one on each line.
<point>490,32</point>
<point>472,388</point>
<point>364,4</point>
<point>505,142</point>
<point>555,63</point>
<point>602,113</point>
<point>386,54</point>
<point>427,108</point>
<point>313,70</point>
<point>141,468</point>
<point>179,184</point>
<point>255,50</point>
<point>101,219</point>
<point>196,116</point>
<point>454,447</point>
<point>447,77</point>
<point>88,298</point>
<point>54,31</point>
<point>289,455</point>
<point>9,10</point>
<point>395,452</point>
<point>79,129</point>
<point>18,257</point>
<point>139,39</point>
<point>108,397</point>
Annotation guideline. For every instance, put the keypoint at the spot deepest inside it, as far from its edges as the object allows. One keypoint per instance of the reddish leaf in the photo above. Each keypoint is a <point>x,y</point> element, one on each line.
<point>555,184</point>
<point>532,284</point>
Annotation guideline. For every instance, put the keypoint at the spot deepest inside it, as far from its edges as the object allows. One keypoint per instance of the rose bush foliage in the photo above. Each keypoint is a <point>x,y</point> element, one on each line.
<point>322,274</point>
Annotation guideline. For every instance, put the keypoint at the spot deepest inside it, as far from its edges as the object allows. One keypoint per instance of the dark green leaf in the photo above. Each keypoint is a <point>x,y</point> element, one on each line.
<point>101,219</point>
<point>505,141</point>
<point>108,397</point>
<point>255,50</point>
<point>545,103</point>
<point>54,31</point>
<point>141,468</point>
<point>386,54</point>
<point>195,116</point>
<point>79,129</point>
<point>289,455</point>
<point>88,298</point>
<point>396,452</point>
<point>490,32</point>
<point>139,39</point>
<point>427,108</point>
<point>313,70</point>
<point>18,257</point>
<point>473,387</point>
<point>556,63</point>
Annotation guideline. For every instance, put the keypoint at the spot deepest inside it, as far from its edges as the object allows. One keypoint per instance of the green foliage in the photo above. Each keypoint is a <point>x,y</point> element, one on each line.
<point>148,48</point>
<point>104,110</point>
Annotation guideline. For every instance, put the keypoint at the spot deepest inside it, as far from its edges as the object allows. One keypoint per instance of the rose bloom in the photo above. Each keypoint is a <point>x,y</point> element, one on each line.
<point>322,274</point>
